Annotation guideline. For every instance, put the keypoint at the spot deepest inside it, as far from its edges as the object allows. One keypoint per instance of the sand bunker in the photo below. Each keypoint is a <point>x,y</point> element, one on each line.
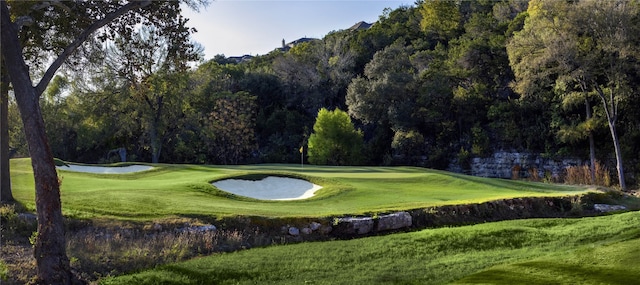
<point>269,188</point>
<point>105,169</point>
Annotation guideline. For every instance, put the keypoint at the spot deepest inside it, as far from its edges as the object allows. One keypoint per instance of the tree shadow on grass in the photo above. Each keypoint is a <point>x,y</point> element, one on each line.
<point>201,276</point>
<point>548,272</point>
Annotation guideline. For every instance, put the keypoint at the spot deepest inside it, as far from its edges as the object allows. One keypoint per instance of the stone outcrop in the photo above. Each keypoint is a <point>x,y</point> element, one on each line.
<point>606,208</point>
<point>354,226</point>
<point>394,221</point>
<point>197,229</point>
<point>294,231</point>
<point>367,225</point>
<point>308,229</point>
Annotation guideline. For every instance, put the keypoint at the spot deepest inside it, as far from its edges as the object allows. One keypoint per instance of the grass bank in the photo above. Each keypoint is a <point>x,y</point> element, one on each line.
<point>596,250</point>
<point>185,191</point>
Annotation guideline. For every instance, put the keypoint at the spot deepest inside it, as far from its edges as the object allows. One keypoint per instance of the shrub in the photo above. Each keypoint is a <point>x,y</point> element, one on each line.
<point>534,175</point>
<point>515,172</point>
<point>335,140</point>
<point>464,159</point>
<point>581,174</point>
<point>409,145</point>
<point>12,224</point>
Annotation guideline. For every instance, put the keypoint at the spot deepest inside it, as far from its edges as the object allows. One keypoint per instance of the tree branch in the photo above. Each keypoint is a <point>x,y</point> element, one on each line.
<point>23,21</point>
<point>53,68</point>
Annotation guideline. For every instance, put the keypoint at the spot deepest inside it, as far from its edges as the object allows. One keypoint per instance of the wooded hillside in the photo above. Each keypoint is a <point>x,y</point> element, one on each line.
<point>428,85</point>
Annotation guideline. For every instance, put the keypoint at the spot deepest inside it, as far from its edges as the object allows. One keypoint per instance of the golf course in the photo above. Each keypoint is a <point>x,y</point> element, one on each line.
<point>589,250</point>
<point>180,190</point>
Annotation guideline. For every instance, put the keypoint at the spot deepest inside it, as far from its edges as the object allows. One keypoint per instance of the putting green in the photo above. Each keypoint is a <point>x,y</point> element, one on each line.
<point>186,190</point>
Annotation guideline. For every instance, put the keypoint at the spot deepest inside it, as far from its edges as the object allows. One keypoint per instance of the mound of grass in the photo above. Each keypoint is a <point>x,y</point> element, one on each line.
<point>185,190</point>
<point>600,250</point>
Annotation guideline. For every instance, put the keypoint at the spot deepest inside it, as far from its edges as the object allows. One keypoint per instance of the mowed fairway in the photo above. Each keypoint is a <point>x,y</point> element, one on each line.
<point>184,190</point>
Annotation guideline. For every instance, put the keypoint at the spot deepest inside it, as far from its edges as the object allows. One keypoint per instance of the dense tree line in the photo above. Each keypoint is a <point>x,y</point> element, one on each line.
<point>428,85</point>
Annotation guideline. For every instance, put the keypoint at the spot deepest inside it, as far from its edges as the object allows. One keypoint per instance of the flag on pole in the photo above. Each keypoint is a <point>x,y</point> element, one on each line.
<point>302,157</point>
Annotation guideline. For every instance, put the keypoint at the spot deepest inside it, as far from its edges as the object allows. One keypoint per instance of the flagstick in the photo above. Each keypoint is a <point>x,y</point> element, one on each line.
<point>302,158</point>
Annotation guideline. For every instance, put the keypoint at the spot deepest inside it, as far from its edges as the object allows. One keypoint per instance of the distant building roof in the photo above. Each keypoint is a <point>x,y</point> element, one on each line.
<point>300,41</point>
<point>239,59</point>
<point>287,47</point>
<point>362,25</point>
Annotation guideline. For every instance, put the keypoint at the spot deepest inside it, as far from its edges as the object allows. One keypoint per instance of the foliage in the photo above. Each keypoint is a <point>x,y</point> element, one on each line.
<point>13,226</point>
<point>152,68</point>
<point>408,144</point>
<point>441,70</point>
<point>17,139</point>
<point>567,44</point>
<point>385,89</point>
<point>440,17</point>
<point>334,141</point>
<point>230,128</point>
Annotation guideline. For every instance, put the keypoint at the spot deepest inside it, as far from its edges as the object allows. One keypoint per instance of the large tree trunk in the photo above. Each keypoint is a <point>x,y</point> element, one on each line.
<point>5,178</point>
<point>53,265</point>
<point>50,247</point>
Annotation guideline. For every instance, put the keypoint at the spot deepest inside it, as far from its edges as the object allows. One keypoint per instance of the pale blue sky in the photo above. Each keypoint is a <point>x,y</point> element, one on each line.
<point>256,27</point>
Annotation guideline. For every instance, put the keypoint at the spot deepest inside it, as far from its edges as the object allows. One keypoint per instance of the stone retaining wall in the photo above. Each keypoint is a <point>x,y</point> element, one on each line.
<point>504,164</point>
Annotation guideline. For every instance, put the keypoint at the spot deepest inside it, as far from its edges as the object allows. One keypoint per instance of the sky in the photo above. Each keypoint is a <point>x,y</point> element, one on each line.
<point>257,27</point>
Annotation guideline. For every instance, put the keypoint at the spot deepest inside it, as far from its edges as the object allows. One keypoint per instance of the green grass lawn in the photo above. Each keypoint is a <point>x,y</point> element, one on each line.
<point>599,250</point>
<point>185,190</point>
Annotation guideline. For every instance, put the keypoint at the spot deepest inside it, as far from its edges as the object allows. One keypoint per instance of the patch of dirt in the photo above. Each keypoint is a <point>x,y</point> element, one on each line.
<point>18,257</point>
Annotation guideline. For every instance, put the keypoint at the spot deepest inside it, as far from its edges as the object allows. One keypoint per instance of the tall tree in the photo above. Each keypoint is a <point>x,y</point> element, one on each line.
<point>32,31</point>
<point>154,69</point>
<point>588,43</point>
<point>386,90</point>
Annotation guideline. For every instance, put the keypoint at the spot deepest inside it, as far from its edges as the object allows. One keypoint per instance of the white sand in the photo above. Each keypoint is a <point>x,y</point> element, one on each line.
<point>105,169</point>
<point>270,188</point>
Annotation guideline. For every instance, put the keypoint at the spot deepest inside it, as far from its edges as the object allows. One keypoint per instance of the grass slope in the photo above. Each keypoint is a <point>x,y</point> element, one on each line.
<point>183,190</point>
<point>600,250</point>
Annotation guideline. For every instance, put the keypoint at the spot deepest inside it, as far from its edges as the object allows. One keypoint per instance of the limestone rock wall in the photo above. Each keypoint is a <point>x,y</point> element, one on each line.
<point>504,164</point>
